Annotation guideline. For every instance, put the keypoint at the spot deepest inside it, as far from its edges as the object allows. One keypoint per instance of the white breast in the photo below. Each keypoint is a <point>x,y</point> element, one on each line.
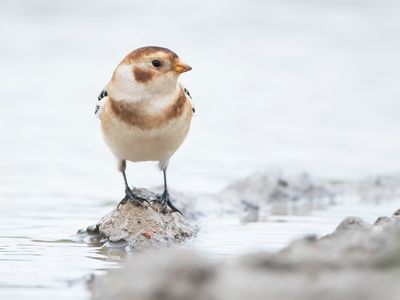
<point>135,144</point>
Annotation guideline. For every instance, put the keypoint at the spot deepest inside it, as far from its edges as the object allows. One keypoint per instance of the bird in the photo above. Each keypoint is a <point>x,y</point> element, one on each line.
<point>145,113</point>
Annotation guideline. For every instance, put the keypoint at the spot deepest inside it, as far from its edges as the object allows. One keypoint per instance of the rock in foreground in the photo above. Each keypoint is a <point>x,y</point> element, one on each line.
<point>358,261</point>
<point>142,227</point>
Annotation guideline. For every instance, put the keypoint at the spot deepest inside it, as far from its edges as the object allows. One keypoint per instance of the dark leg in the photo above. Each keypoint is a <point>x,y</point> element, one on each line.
<point>165,199</point>
<point>129,196</point>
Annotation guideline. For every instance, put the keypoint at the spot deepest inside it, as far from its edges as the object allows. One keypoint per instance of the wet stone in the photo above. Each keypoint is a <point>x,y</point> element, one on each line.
<point>357,261</point>
<point>381,220</point>
<point>141,226</point>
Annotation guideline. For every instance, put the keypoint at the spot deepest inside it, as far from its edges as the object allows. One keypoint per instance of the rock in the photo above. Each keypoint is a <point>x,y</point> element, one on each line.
<point>357,261</point>
<point>354,244</point>
<point>279,194</point>
<point>250,212</point>
<point>378,189</point>
<point>141,227</point>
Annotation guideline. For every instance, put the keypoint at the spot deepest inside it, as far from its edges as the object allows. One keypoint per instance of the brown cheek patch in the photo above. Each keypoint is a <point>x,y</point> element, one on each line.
<point>135,114</point>
<point>142,76</point>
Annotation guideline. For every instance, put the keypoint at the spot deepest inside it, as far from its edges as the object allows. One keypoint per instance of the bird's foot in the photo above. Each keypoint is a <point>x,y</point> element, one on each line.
<point>136,200</point>
<point>166,202</point>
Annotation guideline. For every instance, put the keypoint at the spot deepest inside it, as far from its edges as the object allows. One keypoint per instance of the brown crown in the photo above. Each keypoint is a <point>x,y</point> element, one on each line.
<point>146,51</point>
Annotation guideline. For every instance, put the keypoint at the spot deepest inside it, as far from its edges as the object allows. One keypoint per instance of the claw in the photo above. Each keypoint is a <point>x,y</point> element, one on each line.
<point>129,196</point>
<point>166,202</point>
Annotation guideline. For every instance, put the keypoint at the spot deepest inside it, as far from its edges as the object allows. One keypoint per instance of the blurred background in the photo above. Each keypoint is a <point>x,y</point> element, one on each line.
<point>311,85</point>
<point>298,85</point>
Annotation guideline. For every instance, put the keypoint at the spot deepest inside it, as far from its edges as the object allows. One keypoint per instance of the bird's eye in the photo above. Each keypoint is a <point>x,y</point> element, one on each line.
<point>156,63</point>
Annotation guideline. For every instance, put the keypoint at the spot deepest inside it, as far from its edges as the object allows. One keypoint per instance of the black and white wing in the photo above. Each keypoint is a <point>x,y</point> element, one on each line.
<point>190,96</point>
<point>102,95</point>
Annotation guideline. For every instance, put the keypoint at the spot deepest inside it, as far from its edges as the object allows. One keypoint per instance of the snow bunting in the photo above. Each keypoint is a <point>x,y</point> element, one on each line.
<point>145,113</point>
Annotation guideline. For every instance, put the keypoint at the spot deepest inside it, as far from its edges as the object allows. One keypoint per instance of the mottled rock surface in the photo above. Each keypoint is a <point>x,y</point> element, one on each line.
<point>278,194</point>
<point>262,194</point>
<point>358,261</point>
<point>142,227</point>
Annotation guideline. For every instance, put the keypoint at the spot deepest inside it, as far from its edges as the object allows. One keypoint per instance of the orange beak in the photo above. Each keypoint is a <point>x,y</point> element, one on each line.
<point>181,67</point>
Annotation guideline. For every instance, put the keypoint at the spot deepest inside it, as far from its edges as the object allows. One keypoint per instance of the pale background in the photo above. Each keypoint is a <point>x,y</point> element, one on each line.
<point>295,85</point>
<point>305,85</point>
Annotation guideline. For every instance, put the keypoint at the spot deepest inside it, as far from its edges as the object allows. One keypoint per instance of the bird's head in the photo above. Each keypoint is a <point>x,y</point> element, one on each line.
<point>147,72</point>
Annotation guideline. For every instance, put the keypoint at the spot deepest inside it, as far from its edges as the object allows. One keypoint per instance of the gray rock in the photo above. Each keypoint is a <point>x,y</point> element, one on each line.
<point>378,189</point>
<point>279,194</point>
<point>357,261</point>
<point>251,212</point>
<point>298,194</point>
<point>141,227</point>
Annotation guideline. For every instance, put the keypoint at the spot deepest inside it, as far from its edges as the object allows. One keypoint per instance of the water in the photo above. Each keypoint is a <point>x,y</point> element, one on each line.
<point>228,237</point>
<point>298,85</point>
